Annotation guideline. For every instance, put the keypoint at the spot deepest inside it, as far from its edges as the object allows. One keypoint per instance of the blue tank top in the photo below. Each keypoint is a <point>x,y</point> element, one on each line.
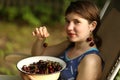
<point>70,72</point>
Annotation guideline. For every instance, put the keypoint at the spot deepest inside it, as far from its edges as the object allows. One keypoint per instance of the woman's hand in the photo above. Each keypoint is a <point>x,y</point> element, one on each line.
<point>27,77</point>
<point>41,33</point>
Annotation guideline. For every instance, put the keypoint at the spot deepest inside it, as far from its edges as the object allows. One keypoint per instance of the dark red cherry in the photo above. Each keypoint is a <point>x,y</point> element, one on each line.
<point>45,45</point>
<point>92,44</point>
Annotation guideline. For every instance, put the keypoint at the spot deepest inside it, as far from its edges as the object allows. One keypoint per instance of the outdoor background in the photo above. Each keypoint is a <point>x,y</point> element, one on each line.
<point>18,18</point>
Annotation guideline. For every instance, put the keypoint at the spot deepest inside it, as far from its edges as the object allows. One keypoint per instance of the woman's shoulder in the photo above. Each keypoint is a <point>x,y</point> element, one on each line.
<point>91,60</point>
<point>91,57</point>
<point>90,64</point>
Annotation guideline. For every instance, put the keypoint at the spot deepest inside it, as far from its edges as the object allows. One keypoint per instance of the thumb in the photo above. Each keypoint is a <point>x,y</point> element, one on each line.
<point>31,77</point>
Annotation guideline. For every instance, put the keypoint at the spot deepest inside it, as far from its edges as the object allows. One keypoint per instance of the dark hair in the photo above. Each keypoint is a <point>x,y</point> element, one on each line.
<point>89,11</point>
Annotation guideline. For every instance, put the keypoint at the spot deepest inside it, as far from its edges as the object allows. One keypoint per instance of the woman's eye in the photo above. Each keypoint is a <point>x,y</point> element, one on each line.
<point>67,21</point>
<point>76,21</point>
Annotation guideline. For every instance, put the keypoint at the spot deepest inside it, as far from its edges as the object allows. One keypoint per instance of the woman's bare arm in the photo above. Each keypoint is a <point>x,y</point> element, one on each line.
<point>37,47</point>
<point>90,68</point>
<point>53,50</point>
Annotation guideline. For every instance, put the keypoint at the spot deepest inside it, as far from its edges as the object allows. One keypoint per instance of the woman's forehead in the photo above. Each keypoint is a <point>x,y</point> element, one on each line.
<point>73,16</point>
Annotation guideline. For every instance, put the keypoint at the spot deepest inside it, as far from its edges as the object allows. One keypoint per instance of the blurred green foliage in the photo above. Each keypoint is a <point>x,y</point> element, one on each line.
<point>28,15</point>
<point>41,13</point>
<point>44,12</point>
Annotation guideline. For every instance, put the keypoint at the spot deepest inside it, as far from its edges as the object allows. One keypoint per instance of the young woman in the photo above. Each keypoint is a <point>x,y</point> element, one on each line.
<point>80,51</point>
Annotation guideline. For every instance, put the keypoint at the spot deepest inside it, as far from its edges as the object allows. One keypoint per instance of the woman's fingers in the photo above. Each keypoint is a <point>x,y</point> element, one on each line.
<point>30,77</point>
<point>24,76</point>
<point>40,32</point>
<point>46,34</point>
<point>27,77</point>
<point>36,32</point>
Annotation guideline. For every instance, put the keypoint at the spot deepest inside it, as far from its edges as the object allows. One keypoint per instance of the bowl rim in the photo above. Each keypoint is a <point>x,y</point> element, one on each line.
<point>18,63</point>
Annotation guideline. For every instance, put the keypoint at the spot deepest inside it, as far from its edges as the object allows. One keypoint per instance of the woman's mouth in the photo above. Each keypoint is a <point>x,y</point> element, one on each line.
<point>71,34</point>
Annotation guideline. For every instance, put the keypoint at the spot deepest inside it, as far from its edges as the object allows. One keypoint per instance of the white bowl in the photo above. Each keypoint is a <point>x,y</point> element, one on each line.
<point>30,60</point>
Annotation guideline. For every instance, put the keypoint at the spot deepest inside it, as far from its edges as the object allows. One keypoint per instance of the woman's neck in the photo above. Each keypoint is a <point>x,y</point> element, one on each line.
<point>82,46</point>
<point>78,49</point>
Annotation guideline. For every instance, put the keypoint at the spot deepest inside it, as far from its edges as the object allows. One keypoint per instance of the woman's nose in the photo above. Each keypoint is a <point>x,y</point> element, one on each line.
<point>70,26</point>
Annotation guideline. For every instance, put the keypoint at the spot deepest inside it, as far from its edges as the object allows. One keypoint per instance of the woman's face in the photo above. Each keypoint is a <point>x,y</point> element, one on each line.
<point>77,28</point>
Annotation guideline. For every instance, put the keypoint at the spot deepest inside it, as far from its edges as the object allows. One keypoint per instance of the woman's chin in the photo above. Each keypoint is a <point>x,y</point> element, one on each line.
<point>72,39</point>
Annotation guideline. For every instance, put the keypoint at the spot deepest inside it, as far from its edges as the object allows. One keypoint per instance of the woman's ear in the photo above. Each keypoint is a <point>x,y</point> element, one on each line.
<point>93,25</point>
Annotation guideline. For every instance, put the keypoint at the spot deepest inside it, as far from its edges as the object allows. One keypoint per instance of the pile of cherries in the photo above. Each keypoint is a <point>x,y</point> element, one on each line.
<point>42,67</point>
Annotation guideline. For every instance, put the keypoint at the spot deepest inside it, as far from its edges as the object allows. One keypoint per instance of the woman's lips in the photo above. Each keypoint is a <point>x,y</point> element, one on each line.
<point>71,34</point>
